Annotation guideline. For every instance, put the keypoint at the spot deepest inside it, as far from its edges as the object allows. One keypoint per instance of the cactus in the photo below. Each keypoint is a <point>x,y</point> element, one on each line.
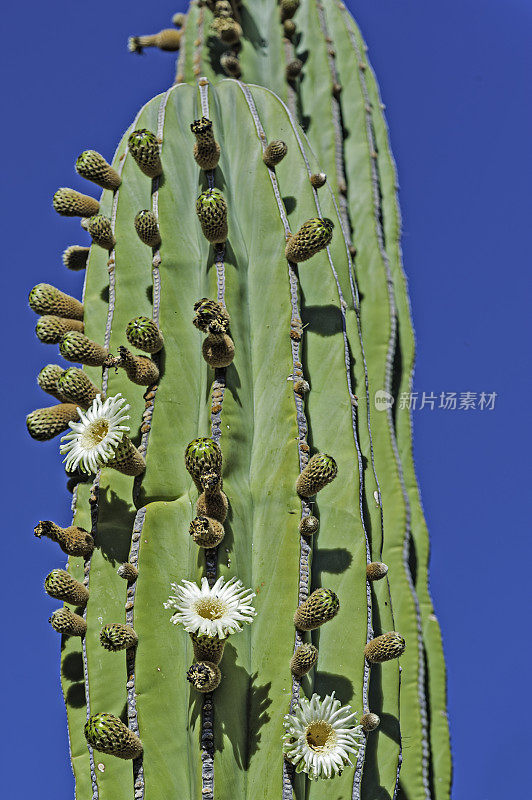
<point>243,211</point>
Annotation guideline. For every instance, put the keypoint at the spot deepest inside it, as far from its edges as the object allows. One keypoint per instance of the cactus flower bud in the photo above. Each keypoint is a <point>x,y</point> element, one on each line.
<point>206,148</point>
<point>70,203</point>
<point>318,179</point>
<point>50,329</point>
<point>211,209</point>
<point>144,147</point>
<point>128,571</point>
<point>376,570</point>
<point>93,166</point>
<point>127,459</point>
<point>288,9</point>
<point>45,423</point>
<point>46,299</point>
<point>65,621</point>
<point>303,660</point>
<point>139,369</point>
<point>167,39</point>
<point>47,380</point>
<point>75,257</point>
<point>108,734</point>
<point>309,525</point>
<point>73,541</point>
<point>207,648</point>
<point>320,470</point>
<point>144,333</point>
<point>369,722</point>
<point>226,29</point>
<point>274,153</point>
<point>147,228</point>
<point>289,28</point>
<point>293,69</point>
<point>313,236</point>
<point>62,586</point>
<point>384,648</point>
<point>212,502</point>
<point>218,350</point>
<point>211,317</point>
<point>231,65</point>
<point>77,387</point>
<point>206,532</point>
<point>115,636</point>
<point>101,231</point>
<point>320,607</point>
<point>79,348</point>
<point>179,20</point>
<point>202,455</point>
<point>204,676</point>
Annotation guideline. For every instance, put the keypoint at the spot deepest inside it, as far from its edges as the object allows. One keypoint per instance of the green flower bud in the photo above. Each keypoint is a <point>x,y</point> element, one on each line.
<point>218,350</point>
<point>288,9</point>
<point>108,734</point>
<point>62,586</point>
<point>384,648</point>
<point>128,571</point>
<point>65,621</point>
<point>303,660</point>
<point>231,65</point>
<point>211,317</point>
<point>115,636</point>
<point>318,179</point>
<point>293,69</point>
<point>46,299</point>
<point>369,722</point>
<point>75,257</point>
<point>168,40</point>
<point>93,166</point>
<point>202,455</point>
<point>207,648</point>
<point>70,203</point>
<point>309,525</point>
<point>139,369</point>
<point>211,209</point>
<point>45,423</point>
<point>101,231</point>
<point>48,378</point>
<point>313,236</point>
<point>274,153</point>
<point>147,228</point>
<point>376,570</point>
<point>144,147</point>
<point>79,348</point>
<point>320,607</point>
<point>144,333</point>
<point>77,387</point>
<point>320,470</point>
<point>50,329</point>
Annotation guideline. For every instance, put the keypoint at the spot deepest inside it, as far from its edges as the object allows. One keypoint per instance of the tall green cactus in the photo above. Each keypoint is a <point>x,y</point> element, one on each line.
<point>216,211</point>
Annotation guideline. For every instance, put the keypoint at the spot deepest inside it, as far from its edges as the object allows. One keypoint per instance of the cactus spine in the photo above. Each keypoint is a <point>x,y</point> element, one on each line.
<point>145,501</point>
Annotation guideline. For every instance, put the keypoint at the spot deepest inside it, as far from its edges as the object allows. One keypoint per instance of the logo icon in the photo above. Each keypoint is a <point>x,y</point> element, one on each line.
<point>383,400</point>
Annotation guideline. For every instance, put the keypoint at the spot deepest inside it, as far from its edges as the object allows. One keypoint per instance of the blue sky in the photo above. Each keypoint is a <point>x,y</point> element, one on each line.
<point>456,82</point>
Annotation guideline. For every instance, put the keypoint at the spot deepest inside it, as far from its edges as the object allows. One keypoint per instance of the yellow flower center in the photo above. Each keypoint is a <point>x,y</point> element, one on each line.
<point>95,433</point>
<point>320,736</point>
<point>210,608</point>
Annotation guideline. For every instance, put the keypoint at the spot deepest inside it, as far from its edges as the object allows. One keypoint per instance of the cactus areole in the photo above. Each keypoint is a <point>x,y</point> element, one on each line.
<point>247,617</point>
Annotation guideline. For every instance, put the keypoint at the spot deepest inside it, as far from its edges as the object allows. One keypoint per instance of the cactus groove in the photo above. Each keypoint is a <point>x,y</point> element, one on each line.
<point>250,224</point>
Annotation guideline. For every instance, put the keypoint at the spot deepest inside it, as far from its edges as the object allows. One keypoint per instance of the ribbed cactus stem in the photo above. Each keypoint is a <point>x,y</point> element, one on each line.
<point>73,540</point>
